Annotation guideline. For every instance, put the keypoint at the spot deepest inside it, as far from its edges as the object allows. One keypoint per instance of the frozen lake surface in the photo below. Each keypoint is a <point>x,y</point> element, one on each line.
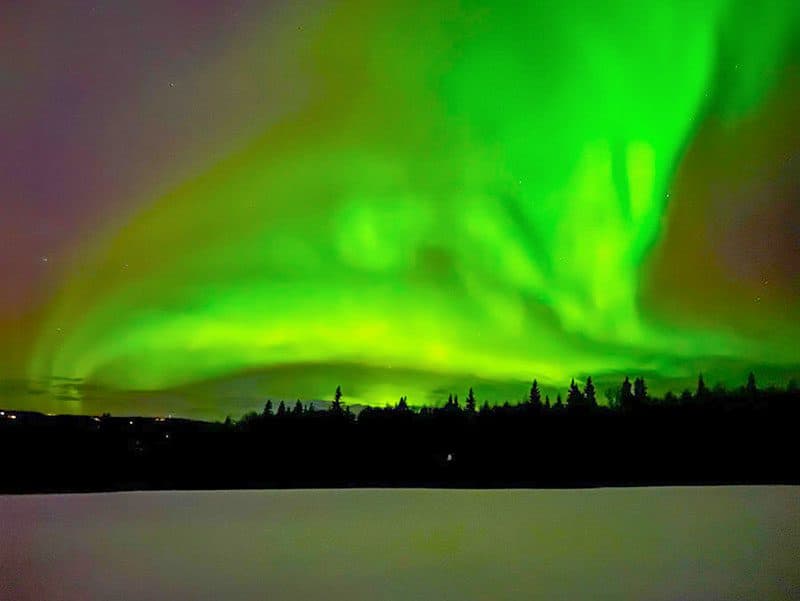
<point>638,543</point>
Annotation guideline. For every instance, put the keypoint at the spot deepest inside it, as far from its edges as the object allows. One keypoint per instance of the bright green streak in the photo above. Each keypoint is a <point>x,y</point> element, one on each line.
<point>468,189</point>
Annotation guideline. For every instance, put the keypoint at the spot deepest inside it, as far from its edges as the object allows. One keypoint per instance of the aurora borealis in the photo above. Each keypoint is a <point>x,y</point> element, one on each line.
<point>400,197</point>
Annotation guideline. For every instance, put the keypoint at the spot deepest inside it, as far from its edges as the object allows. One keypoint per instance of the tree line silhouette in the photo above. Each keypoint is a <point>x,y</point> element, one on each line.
<point>629,398</point>
<point>705,436</point>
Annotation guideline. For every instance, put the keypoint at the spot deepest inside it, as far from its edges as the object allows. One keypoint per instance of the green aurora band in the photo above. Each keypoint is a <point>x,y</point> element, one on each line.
<point>462,188</point>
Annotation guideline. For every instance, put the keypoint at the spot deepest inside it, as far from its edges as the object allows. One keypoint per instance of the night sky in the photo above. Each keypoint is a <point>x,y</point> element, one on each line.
<point>204,204</point>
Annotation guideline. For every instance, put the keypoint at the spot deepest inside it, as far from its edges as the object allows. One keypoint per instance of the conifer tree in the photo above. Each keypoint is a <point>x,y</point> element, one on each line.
<point>639,391</point>
<point>751,388</point>
<point>590,393</point>
<point>535,397</point>
<point>471,401</point>
<point>336,407</point>
<point>702,391</point>
<point>626,395</point>
<point>574,396</point>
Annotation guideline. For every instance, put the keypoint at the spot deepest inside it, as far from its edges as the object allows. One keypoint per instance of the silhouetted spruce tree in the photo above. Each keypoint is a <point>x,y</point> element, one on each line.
<point>534,396</point>
<point>336,406</point>
<point>449,404</point>
<point>626,395</point>
<point>268,408</point>
<point>471,401</point>
<point>281,409</point>
<point>485,409</point>
<point>589,393</point>
<point>559,404</point>
<point>455,401</point>
<point>298,408</point>
<point>574,396</point>
<point>547,401</point>
<point>639,392</point>
<point>402,405</point>
<point>702,392</point>
<point>751,388</point>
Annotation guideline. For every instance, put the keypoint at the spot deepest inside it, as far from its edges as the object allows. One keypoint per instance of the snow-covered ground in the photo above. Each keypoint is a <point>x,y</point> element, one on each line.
<point>639,543</point>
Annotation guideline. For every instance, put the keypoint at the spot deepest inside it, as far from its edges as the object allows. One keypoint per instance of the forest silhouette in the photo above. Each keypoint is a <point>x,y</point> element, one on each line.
<point>705,436</point>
